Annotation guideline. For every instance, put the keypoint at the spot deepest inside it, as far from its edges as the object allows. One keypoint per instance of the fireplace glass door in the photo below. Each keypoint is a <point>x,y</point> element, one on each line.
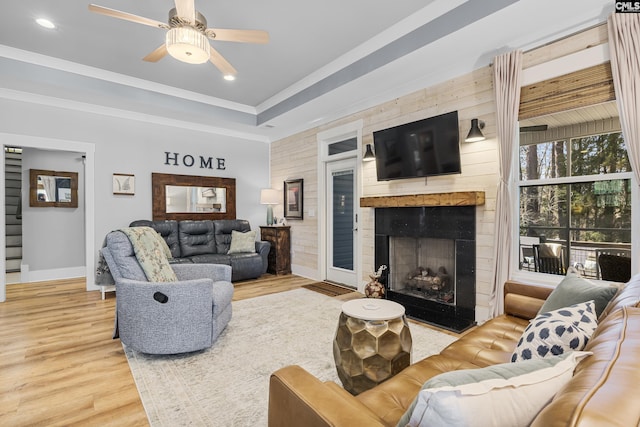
<point>423,267</point>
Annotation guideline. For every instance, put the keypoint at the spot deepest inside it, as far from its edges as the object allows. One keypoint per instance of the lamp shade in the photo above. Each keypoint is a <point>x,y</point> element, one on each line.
<point>368,155</point>
<point>188,45</point>
<point>475,134</point>
<point>269,196</point>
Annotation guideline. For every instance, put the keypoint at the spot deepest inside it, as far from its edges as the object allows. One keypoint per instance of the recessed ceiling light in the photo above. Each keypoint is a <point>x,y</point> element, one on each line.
<point>229,77</point>
<point>43,22</point>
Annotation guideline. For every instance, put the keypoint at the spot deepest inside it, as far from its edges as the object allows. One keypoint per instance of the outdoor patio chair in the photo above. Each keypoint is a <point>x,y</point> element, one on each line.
<point>549,258</point>
<point>614,264</point>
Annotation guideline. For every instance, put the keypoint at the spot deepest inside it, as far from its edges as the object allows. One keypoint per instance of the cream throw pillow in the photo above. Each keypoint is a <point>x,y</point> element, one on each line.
<point>504,395</point>
<point>242,242</point>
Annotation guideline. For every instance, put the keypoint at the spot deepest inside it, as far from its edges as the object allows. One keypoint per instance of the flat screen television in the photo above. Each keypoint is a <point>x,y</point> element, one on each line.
<point>426,147</point>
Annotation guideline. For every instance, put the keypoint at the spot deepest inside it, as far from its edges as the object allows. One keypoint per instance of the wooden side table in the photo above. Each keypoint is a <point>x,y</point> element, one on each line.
<point>280,252</point>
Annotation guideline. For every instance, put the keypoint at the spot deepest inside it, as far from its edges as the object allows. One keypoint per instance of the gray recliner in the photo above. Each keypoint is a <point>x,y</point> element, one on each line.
<point>167,317</point>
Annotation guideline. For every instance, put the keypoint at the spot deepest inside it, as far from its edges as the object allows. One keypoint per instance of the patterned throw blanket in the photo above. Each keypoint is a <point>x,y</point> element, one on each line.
<point>151,251</point>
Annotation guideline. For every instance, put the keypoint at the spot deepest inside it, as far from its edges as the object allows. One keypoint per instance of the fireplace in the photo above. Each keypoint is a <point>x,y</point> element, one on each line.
<point>430,253</point>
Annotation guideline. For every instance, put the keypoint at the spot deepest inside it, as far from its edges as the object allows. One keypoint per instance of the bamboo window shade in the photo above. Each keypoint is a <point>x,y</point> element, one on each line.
<point>590,86</point>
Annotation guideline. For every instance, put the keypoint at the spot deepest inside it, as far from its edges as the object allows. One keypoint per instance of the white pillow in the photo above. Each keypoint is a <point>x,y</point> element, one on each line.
<point>242,242</point>
<point>555,332</point>
<point>508,394</point>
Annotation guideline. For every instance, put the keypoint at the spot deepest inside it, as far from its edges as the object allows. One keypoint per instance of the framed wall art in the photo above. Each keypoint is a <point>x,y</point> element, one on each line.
<point>124,184</point>
<point>293,198</point>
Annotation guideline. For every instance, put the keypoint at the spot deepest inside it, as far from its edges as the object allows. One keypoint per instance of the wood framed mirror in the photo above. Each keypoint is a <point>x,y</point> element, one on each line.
<point>184,197</point>
<point>53,189</point>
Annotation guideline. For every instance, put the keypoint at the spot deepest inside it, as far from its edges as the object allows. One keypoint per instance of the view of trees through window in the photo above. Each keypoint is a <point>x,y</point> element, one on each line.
<point>575,193</point>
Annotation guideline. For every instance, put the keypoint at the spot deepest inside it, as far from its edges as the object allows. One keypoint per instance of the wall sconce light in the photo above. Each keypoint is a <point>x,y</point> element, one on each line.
<point>475,134</point>
<point>269,197</point>
<point>368,155</point>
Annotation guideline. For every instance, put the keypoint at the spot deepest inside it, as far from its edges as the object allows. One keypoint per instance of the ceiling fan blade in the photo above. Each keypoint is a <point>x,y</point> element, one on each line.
<point>127,16</point>
<point>157,54</point>
<point>222,64</point>
<point>186,9</point>
<point>242,36</point>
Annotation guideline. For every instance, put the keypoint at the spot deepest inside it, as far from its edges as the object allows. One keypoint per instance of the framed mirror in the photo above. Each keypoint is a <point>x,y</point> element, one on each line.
<point>181,197</point>
<point>53,189</point>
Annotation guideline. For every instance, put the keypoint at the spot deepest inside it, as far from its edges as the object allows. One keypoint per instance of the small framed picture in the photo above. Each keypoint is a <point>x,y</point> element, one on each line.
<point>124,184</point>
<point>293,199</point>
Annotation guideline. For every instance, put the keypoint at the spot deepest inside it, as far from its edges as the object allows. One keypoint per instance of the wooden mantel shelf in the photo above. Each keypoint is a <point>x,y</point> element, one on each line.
<point>460,198</point>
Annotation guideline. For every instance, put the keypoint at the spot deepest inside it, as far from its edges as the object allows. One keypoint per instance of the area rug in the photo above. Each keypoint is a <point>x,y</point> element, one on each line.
<point>328,289</point>
<point>228,384</point>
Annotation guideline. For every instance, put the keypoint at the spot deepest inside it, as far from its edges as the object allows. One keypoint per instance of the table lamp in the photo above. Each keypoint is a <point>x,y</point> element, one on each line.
<point>269,197</point>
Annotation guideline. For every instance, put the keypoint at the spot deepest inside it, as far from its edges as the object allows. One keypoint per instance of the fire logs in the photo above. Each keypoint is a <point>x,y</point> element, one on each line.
<point>425,279</point>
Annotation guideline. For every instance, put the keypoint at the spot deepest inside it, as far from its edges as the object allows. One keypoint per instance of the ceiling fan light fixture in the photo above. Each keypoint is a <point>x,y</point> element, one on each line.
<point>229,77</point>
<point>188,45</point>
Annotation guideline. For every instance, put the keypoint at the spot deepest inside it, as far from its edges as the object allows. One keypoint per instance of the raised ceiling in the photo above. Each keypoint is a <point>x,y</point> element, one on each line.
<point>324,59</point>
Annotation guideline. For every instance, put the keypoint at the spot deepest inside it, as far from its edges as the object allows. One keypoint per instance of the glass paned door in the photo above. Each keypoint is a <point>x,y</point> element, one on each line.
<point>341,223</point>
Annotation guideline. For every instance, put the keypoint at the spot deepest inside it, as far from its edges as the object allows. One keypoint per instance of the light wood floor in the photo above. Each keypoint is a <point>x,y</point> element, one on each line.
<point>58,363</point>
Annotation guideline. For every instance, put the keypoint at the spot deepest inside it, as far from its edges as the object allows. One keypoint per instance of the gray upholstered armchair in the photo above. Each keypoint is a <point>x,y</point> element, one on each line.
<point>167,317</point>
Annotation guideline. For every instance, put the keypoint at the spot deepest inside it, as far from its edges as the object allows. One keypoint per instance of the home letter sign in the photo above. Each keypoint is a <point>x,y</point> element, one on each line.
<point>188,160</point>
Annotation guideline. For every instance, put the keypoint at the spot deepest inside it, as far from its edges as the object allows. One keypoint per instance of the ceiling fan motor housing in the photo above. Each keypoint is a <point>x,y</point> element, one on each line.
<point>176,21</point>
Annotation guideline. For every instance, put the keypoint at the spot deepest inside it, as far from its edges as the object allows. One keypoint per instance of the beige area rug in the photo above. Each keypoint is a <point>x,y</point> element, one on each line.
<point>228,384</point>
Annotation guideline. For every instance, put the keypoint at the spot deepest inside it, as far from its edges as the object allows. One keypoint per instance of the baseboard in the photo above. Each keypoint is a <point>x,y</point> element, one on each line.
<point>53,274</point>
<point>309,273</point>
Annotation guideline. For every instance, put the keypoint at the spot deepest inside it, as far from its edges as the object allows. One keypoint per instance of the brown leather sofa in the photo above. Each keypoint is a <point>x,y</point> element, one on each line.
<point>603,390</point>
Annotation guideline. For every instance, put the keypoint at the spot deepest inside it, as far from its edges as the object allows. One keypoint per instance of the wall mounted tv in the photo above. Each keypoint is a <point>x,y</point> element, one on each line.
<point>426,147</point>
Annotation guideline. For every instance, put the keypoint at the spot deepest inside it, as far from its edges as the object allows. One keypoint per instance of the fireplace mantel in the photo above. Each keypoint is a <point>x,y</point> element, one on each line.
<point>459,198</point>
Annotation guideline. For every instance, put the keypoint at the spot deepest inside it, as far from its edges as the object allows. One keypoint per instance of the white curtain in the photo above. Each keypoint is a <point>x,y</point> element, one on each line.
<point>624,47</point>
<point>49,184</point>
<point>506,80</point>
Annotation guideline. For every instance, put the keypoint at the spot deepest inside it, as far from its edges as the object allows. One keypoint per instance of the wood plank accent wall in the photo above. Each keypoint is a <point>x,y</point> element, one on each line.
<point>460,198</point>
<point>472,95</point>
<point>593,85</point>
<point>586,39</point>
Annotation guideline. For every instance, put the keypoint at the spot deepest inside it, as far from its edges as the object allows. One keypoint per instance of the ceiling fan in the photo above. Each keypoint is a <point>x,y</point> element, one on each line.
<point>187,36</point>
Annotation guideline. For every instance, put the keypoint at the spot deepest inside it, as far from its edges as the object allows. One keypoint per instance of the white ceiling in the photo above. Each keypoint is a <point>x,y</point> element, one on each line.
<point>324,59</point>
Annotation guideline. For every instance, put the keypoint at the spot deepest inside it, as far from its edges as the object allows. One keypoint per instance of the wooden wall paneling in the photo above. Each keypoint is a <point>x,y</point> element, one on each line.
<point>571,44</point>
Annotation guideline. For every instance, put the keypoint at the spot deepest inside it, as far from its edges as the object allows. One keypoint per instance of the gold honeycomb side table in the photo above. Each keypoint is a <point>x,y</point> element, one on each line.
<point>372,343</point>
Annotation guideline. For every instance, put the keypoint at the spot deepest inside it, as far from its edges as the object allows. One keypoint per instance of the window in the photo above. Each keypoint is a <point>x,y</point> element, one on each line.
<point>574,201</point>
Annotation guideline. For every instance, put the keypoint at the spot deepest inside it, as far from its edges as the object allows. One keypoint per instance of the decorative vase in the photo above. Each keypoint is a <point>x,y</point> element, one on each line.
<point>374,289</point>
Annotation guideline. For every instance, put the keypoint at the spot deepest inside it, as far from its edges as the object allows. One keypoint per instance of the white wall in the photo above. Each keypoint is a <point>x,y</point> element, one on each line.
<point>135,147</point>
<point>52,237</point>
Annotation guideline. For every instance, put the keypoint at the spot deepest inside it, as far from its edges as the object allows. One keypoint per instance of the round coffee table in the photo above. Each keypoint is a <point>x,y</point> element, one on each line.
<point>372,343</point>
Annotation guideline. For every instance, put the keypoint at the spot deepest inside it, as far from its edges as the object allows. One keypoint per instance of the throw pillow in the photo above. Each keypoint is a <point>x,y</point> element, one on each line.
<point>557,332</point>
<point>574,289</point>
<point>508,394</point>
<point>242,242</point>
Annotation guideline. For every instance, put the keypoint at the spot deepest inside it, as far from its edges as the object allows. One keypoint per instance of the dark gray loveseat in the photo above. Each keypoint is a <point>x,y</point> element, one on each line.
<point>208,242</point>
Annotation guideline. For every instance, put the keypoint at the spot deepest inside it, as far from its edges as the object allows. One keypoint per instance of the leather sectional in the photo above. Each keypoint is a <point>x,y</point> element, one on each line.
<point>208,242</point>
<point>602,391</point>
